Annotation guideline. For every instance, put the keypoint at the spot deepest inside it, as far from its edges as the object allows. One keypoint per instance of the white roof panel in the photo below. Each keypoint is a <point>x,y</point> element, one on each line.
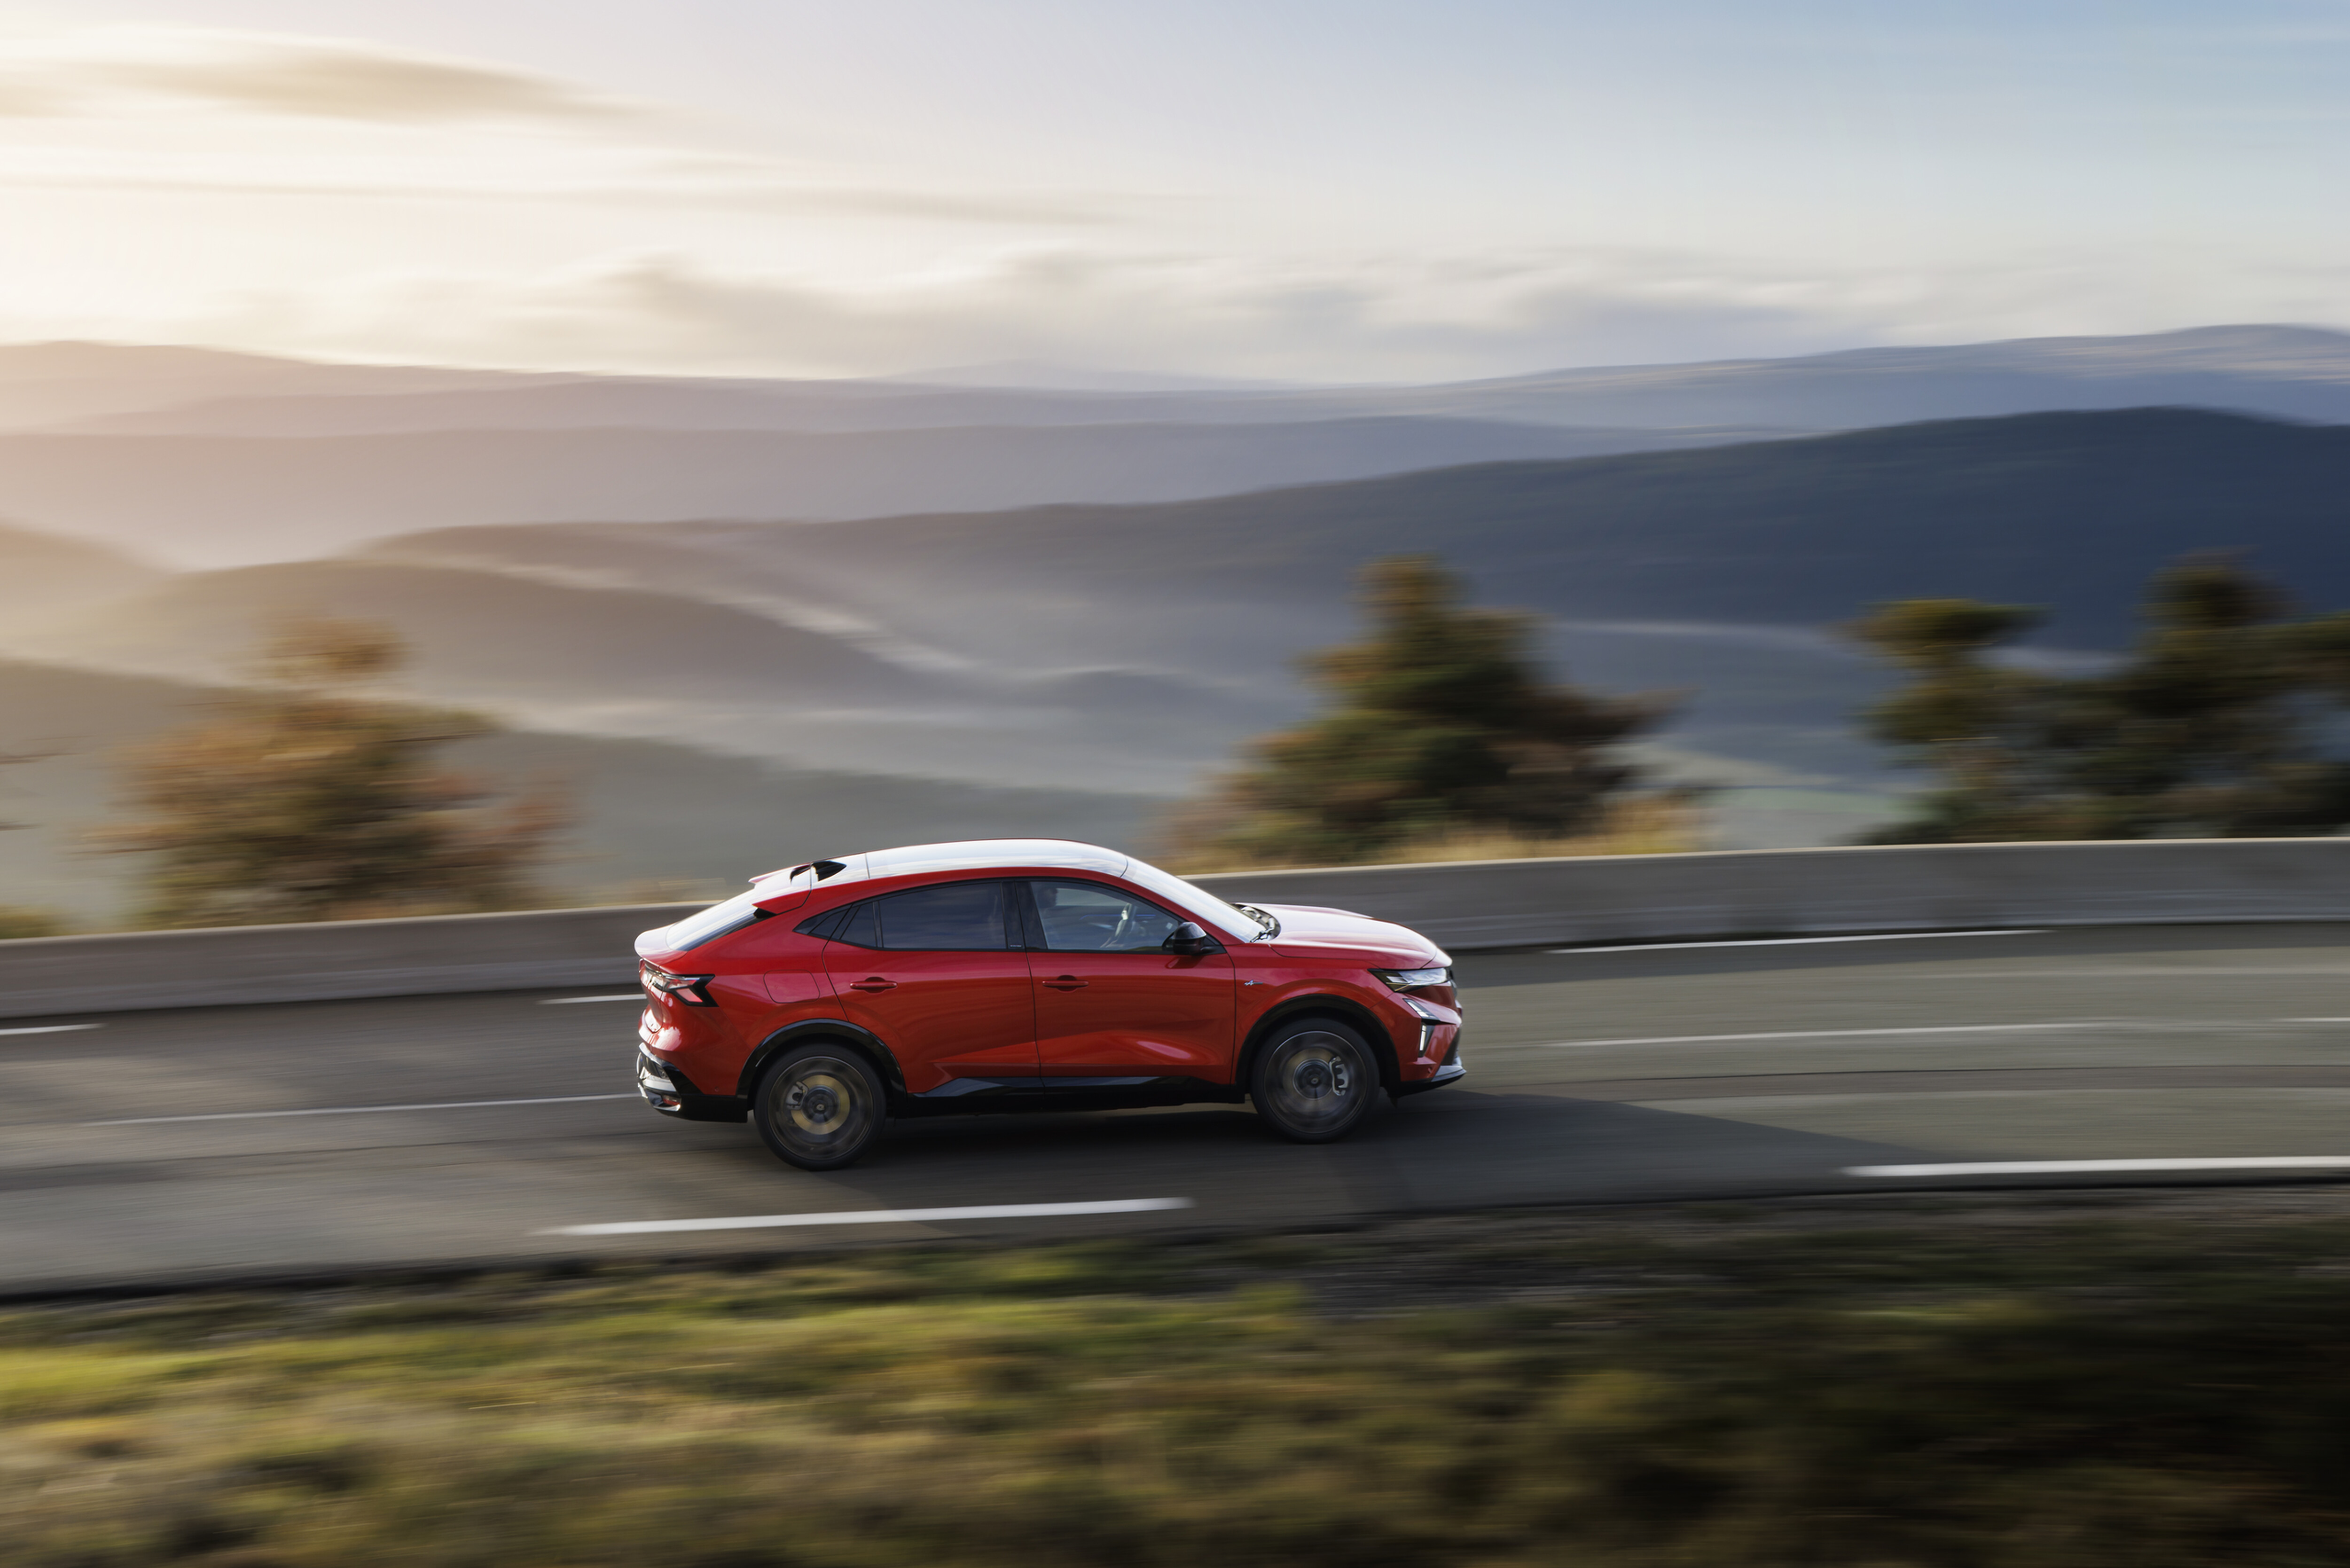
<point>980,853</point>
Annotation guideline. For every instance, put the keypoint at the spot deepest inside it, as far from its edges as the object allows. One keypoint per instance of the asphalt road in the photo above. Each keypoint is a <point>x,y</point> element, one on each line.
<point>222,1143</point>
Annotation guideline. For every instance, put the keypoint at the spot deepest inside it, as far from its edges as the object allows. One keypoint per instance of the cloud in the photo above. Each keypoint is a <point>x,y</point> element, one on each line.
<point>98,69</point>
<point>154,109</point>
<point>1396,318</point>
<point>1397,321</point>
<point>742,183</point>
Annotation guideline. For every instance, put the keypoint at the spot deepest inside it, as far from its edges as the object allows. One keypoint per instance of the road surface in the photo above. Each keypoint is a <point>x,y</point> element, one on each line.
<point>227,1143</point>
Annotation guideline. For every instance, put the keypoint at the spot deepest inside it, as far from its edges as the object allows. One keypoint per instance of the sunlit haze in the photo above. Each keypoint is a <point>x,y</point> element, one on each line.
<point>1305,190</point>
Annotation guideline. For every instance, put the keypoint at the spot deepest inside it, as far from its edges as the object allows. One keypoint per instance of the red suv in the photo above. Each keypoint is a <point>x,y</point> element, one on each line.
<point>1027,975</point>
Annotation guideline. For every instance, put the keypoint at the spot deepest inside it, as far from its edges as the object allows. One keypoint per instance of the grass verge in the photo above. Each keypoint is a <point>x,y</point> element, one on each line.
<point>2020,1383</point>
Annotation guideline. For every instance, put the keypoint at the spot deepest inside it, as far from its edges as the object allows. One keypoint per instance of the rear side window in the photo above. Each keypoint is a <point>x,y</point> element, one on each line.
<point>953,917</point>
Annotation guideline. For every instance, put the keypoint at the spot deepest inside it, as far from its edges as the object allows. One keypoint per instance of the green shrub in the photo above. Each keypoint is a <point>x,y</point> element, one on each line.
<point>18,920</point>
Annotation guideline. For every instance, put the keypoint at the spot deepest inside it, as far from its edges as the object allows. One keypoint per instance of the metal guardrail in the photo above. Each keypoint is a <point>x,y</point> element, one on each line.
<point>1802,892</point>
<point>1464,906</point>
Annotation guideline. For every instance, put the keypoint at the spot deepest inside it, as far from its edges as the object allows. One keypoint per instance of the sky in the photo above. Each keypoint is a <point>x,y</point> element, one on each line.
<point>1285,190</point>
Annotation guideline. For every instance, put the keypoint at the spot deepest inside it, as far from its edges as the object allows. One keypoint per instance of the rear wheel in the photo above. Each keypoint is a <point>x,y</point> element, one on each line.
<point>1315,1081</point>
<point>819,1106</point>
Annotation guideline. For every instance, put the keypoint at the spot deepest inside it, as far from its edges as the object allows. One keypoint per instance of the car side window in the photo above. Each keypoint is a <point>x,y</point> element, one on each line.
<point>858,927</point>
<point>1088,918</point>
<point>953,916</point>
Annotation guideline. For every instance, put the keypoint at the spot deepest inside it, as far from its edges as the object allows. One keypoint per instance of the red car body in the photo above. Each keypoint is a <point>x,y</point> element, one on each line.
<point>1026,975</point>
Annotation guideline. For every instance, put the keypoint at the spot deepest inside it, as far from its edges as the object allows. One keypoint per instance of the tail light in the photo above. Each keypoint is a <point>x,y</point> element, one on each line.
<point>686,990</point>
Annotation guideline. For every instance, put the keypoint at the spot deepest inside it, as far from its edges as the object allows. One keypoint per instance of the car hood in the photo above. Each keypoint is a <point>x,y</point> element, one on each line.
<point>1310,930</point>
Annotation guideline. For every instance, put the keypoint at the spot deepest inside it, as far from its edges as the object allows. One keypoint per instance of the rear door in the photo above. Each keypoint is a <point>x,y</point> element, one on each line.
<point>1111,1000</point>
<point>935,972</point>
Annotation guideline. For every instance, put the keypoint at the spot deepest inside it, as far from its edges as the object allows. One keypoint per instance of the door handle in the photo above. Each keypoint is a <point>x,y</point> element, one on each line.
<point>873,982</point>
<point>1066,982</point>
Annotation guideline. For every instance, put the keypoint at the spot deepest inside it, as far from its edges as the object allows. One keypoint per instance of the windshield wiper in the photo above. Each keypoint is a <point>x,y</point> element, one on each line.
<point>1272,926</point>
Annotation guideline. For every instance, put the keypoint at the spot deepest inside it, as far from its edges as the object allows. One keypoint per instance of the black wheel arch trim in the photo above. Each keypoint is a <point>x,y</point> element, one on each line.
<point>1325,1004</point>
<point>864,1042</point>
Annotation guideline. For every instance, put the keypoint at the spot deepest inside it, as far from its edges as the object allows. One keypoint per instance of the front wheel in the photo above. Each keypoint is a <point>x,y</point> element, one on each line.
<point>819,1106</point>
<point>1315,1081</point>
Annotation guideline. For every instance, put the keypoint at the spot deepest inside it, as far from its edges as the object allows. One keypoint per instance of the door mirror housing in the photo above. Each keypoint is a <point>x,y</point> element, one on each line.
<point>1189,938</point>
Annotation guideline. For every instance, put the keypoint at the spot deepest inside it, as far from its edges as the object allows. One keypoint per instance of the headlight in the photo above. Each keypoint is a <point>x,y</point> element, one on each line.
<point>1413,978</point>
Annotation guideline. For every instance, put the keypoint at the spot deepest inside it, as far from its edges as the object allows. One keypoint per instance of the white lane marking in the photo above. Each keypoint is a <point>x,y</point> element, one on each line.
<point>2076,1167</point>
<point>2313,1021</point>
<point>874,1217</point>
<point>1798,941</point>
<point>2195,973</point>
<point>567,1001</point>
<point>1831,1033</point>
<point>52,1029</point>
<point>354,1110</point>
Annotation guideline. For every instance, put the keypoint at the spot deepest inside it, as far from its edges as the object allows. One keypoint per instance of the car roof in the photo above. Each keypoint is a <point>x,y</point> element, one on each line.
<point>978,854</point>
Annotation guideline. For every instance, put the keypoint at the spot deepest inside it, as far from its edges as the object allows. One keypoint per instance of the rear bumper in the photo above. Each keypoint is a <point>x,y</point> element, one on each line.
<point>673,1093</point>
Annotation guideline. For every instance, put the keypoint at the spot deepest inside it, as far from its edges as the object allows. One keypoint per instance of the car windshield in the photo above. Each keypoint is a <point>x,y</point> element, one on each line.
<point>1235,919</point>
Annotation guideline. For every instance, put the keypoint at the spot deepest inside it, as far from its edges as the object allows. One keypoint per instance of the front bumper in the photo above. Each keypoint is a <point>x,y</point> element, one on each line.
<point>1448,1070</point>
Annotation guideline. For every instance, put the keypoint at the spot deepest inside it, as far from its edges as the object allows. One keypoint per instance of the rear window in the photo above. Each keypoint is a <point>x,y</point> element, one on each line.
<point>716,922</point>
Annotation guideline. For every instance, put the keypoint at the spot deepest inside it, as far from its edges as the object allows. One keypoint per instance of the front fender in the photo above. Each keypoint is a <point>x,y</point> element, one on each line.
<point>1331,1004</point>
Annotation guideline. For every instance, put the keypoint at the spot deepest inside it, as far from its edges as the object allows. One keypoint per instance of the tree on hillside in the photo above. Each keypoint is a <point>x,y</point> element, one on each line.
<point>310,798</point>
<point>1441,721</point>
<point>2223,720</point>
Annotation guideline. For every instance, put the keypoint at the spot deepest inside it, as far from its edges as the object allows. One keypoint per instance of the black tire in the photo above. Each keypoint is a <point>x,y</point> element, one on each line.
<point>1315,1081</point>
<point>819,1106</point>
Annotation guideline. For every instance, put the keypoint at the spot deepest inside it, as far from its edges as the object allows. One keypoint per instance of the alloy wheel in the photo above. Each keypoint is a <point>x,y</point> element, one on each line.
<point>1317,1079</point>
<point>820,1108</point>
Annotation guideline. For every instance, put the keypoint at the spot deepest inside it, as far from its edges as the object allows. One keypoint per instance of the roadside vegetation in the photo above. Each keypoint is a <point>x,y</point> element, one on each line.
<point>310,796</point>
<point>1441,738</point>
<point>2036,1383</point>
<point>27,921</point>
<point>2225,720</point>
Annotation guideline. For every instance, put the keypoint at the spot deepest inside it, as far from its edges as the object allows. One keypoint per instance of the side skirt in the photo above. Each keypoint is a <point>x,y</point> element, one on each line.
<point>982,1097</point>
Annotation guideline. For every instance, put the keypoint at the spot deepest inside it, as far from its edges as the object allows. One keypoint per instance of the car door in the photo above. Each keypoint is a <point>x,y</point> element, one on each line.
<point>936,974</point>
<point>1111,1000</point>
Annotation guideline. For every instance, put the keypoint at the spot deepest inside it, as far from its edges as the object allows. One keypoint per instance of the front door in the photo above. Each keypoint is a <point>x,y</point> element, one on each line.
<point>936,974</point>
<point>1111,1000</point>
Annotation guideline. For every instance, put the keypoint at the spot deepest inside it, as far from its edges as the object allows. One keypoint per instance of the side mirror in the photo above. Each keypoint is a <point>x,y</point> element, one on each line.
<point>1189,938</point>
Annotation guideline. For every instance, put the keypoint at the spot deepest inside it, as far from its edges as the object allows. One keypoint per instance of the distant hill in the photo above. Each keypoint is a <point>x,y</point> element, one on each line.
<point>653,820</point>
<point>2067,510</point>
<point>217,501</point>
<point>572,649</point>
<point>43,573</point>
<point>477,635</point>
<point>1135,647</point>
<point>2295,372</point>
<point>44,384</point>
<point>212,459</point>
<point>2288,371</point>
<point>1721,572</point>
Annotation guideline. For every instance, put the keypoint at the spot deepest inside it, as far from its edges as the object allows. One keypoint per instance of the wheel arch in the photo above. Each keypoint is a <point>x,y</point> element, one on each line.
<point>1320,1004</point>
<point>864,1042</point>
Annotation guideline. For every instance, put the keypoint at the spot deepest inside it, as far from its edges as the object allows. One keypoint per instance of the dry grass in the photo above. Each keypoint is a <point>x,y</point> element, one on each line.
<point>1647,825</point>
<point>1952,1385</point>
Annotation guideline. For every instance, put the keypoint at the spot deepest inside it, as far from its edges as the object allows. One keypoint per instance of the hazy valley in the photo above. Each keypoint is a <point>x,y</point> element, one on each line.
<point>663,619</point>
